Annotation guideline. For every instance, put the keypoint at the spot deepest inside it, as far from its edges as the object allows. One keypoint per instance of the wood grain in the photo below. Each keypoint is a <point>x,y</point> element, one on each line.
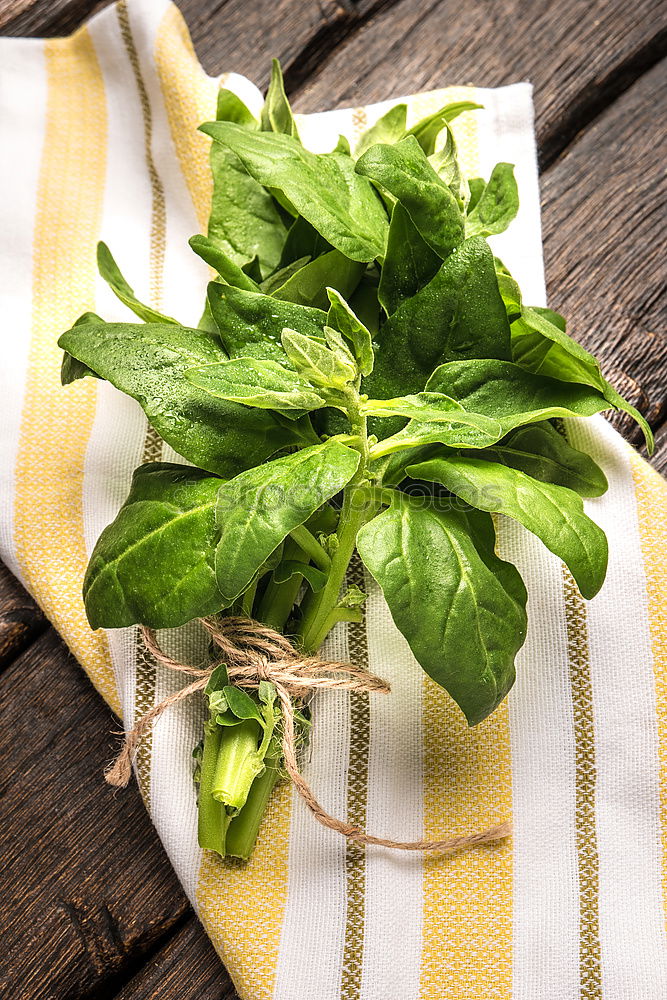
<point>186,968</point>
<point>228,35</point>
<point>21,621</point>
<point>87,892</point>
<point>604,207</point>
<point>578,54</point>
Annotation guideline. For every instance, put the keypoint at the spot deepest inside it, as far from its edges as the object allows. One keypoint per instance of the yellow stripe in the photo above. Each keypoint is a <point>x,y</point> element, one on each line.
<point>590,973</point>
<point>189,98</point>
<point>467,915</point>
<point>651,492</point>
<point>241,904</point>
<point>57,421</point>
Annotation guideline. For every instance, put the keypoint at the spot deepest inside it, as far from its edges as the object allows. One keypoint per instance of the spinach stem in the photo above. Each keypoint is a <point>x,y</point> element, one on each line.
<point>279,598</point>
<point>357,507</point>
<point>213,818</point>
<point>243,829</point>
<point>310,545</point>
<point>237,765</point>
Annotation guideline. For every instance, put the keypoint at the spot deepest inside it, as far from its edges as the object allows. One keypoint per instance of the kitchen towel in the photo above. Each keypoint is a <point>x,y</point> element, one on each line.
<point>99,140</point>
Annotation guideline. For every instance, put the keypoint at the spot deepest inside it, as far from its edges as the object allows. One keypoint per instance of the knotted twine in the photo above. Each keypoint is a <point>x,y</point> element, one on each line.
<point>252,652</point>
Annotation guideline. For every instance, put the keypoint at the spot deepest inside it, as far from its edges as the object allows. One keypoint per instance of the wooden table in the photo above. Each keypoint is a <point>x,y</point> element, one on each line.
<point>91,907</point>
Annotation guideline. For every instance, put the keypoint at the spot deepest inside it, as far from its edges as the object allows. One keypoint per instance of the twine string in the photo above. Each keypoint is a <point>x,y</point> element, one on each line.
<point>252,652</point>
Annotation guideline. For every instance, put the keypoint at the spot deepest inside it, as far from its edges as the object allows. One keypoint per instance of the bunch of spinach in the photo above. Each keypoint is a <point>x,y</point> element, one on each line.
<point>364,376</point>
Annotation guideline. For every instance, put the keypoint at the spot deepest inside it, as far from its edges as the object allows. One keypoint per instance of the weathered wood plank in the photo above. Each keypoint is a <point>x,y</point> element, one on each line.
<point>229,35</point>
<point>579,55</point>
<point>187,968</point>
<point>604,207</point>
<point>86,889</point>
<point>21,621</point>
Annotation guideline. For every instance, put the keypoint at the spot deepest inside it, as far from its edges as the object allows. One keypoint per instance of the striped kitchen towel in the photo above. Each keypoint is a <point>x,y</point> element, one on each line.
<point>99,141</point>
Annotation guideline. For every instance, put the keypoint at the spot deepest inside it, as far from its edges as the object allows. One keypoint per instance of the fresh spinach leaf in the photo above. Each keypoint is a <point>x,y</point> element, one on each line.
<point>448,593</point>
<point>244,221</point>
<point>512,395</point>
<point>277,114</point>
<point>263,384</point>
<point>390,127</point>
<point>259,508</point>
<point>302,240</point>
<point>71,369</point>
<point>308,286</point>
<point>540,344</point>
<point>409,262</point>
<point>154,563</point>
<point>405,172</point>
<point>542,452</point>
<point>553,513</point>
<point>497,205</point>
<point>342,318</point>
<point>110,272</point>
<point>290,568</point>
<point>149,362</point>
<point>251,324</point>
<point>316,362</point>
<point>428,129</point>
<point>458,314</point>
<point>223,264</point>
<point>323,188</point>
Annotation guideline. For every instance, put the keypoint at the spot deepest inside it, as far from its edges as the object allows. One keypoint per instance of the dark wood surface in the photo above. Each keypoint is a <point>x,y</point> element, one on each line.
<point>90,907</point>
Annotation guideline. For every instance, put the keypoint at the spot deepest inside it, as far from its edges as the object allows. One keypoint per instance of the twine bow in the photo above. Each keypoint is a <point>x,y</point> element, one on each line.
<point>252,653</point>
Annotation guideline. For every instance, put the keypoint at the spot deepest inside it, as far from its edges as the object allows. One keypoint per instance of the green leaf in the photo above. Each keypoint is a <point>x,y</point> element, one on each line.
<point>420,406</point>
<point>303,240</point>
<point>110,272</point>
<point>149,362</point>
<point>277,114</point>
<point>241,704</point>
<point>458,314</point>
<point>460,430</point>
<point>553,513</point>
<point>262,384</point>
<point>244,221</point>
<point>316,578</point>
<point>308,286</point>
<point>71,370</point>
<point>540,344</point>
<point>509,291</point>
<point>497,204</point>
<point>230,108</point>
<point>342,318</point>
<point>323,188</point>
<point>511,395</point>
<point>409,263</point>
<point>224,265</point>
<point>427,130</point>
<point>154,564</point>
<point>476,187</point>
<point>541,452</point>
<point>445,162</point>
<point>259,508</point>
<point>279,277</point>
<point>389,128</point>
<point>218,680</point>
<point>320,365</point>
<point>251,324</point>
<point>461,609</point>
<point>404,171</point>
